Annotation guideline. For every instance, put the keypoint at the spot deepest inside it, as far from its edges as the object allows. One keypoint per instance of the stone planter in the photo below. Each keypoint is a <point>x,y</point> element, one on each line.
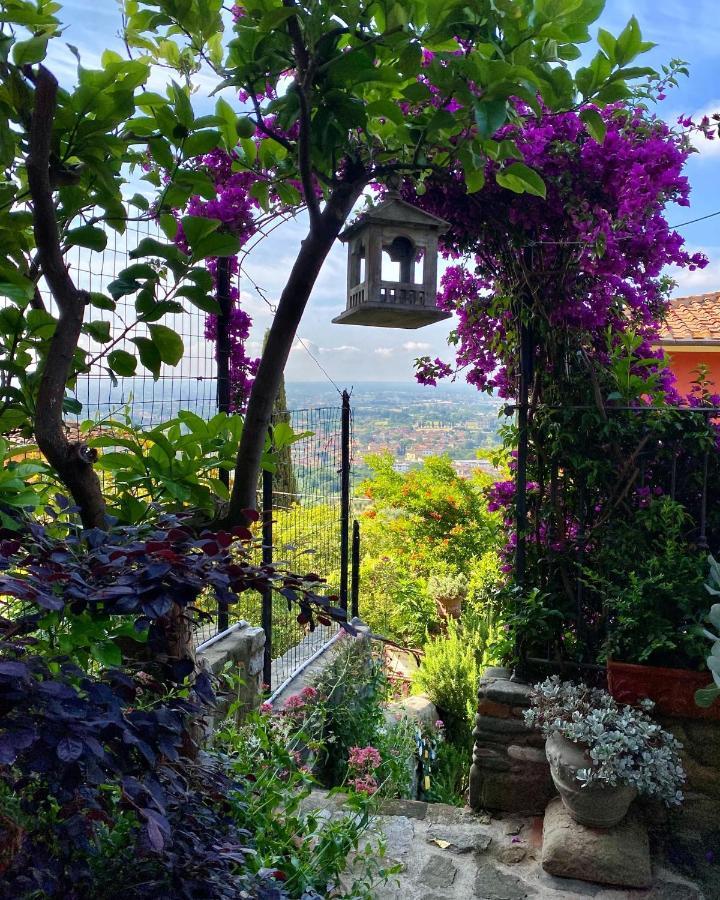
<point>597,806</point>
<point>673,690</point>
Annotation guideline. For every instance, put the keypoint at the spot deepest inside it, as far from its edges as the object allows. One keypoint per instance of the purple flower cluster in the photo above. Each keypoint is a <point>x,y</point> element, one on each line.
<point>589,256</point>
<point>236,209</point>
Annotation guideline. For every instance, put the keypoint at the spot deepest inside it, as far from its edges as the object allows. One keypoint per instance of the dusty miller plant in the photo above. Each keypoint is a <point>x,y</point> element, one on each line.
<point>624,745</point>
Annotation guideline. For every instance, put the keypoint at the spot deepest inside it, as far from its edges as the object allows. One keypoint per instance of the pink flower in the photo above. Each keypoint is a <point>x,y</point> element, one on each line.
<point>266,708</point>
<point>364,758</point>
<point>439,724</point>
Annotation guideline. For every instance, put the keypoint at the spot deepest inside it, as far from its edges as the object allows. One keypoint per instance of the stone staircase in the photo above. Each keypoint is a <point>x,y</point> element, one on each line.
<point>448,853</point>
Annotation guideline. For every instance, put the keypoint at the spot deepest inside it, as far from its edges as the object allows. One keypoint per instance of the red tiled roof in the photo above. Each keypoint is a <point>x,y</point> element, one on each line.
<point>693,319</point>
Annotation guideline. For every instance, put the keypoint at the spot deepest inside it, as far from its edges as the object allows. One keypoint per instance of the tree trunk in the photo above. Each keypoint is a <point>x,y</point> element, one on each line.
<point>293,300</point>
<point>72,461</point>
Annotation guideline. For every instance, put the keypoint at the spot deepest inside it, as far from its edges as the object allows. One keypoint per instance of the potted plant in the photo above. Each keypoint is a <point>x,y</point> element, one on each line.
<point>672,688</point>
<point>601,754</point>
<point>707,697</point>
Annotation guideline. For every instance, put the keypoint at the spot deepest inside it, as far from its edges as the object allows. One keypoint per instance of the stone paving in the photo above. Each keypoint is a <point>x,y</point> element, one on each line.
<point>447,853</point>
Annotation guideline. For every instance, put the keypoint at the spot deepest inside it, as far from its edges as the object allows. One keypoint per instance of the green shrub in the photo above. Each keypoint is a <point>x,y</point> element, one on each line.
<point>354,689</point>
<point>449,675</point>
<point>291,837</point>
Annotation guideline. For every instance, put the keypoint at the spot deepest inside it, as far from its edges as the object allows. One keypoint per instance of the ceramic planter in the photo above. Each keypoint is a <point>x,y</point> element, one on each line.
<point>673,690</point>
<point>599,805</point>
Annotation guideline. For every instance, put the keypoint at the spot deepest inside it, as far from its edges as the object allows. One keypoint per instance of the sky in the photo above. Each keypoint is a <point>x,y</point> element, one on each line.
<point>348,354</point>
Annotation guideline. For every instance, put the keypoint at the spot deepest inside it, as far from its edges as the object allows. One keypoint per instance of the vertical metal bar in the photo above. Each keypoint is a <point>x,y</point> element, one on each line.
<point>702,537</point>
<point>267,558</point>
<point>222,359</point>
<point>521,518</point>
<point>223,346</point>
<point>344,499</point>
<point>355,583</point>
<point>579,586</point>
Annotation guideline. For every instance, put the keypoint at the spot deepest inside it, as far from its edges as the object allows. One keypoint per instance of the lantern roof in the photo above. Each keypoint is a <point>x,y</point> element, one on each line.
<point>394,211</point>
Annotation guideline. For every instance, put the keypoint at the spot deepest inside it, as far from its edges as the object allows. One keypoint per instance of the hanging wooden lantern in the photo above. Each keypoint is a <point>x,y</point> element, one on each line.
<point>392,267</point>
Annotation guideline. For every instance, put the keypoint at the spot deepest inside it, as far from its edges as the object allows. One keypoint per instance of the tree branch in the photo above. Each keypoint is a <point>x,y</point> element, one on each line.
<point>73,462</point>
<point>303,80</point>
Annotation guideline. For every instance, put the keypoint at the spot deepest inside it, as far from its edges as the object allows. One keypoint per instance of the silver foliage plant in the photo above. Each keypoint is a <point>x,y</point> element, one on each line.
<point>623,744</point>
<point>705,697</point>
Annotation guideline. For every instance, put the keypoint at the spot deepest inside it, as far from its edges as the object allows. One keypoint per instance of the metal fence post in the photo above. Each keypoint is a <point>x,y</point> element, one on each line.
<point>222,361</point>
<point>355,583</point>
<point>267,558</point>
<point>345,500</point>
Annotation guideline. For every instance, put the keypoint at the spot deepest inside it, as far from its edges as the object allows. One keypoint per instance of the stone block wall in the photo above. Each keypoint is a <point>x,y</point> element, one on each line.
<point>510,772</point>
<point>701,758</point>
<point>242,646</point>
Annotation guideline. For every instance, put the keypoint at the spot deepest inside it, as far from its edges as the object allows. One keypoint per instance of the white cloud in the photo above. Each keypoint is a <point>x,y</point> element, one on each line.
<point>416,345</point>
<point>701,281</point>
<point>343,348</point>
<point>702,144</point>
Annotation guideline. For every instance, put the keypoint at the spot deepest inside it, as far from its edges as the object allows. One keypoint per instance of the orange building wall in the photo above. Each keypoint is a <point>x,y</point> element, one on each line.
<point>685,362</point>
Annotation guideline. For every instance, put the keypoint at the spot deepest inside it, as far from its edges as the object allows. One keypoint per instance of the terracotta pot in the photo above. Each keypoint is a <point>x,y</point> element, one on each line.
<point>598,805</point>
<point>673,690</point>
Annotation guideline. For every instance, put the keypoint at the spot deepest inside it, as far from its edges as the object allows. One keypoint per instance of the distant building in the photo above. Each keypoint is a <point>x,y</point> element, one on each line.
<point>691,337</point>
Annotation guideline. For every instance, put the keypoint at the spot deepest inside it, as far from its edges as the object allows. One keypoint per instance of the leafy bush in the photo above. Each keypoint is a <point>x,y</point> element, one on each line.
<point>305,851</point>
<point>99,793</point>
<point>175,465</point>
<point>100,767</point>
<point>425,533</point>
<point>353,689</point>
<point>449,675</point>
<point>652,594</point>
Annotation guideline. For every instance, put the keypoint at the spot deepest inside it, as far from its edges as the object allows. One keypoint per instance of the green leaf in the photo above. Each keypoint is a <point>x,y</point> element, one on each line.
<point>100,301</point>
<point>219,243</point>
<point>149,355</point>
<point>489,116</point>
<point>196,228</point>
<point>98,331</point>
<point>245,127</point>
<point>595,124</point>
<point>629,43</point>
<point>169,344</point>
<point>122,363</point>
<point>607,43</point>
<point>227,122</point>
<point>706,697</point>
<point>521,179</point>
<point>474,180</point>
<point>87,236</point>
<point>107,653</point>
<point>27,53</point>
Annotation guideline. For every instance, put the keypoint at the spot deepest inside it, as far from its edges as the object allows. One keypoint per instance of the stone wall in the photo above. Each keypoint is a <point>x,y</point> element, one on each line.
<point>242,646</point>
<point>510,772</point>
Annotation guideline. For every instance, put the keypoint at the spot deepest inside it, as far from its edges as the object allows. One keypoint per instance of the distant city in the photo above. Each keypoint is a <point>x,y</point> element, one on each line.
<point>406,419</point>
<point>412,421</point>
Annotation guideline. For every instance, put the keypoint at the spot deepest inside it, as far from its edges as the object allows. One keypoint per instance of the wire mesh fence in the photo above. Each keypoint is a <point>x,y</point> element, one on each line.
<point>307,496</point>
<point>306,512</point>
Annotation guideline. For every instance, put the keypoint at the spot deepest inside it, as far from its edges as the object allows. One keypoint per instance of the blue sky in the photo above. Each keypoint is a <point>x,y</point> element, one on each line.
<point>689,31</point>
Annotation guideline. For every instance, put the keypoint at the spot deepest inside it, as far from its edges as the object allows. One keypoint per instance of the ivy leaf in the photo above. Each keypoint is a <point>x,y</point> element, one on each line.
<point>122,363</point>
<point>521,179</point>
<point>169,344</point>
